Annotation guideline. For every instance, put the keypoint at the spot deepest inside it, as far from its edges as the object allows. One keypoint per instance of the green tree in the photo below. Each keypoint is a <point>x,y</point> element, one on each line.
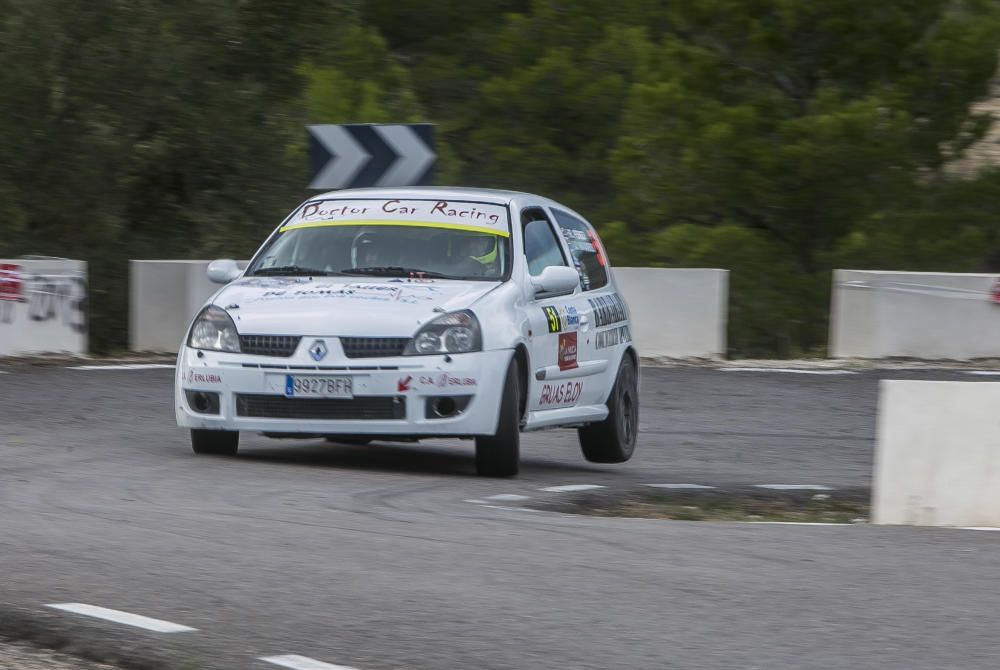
<point>801,120</point>
<point>140,130</point>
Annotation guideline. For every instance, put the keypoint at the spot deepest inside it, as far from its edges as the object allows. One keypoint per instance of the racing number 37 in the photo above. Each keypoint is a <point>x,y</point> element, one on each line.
<point>552,316</point>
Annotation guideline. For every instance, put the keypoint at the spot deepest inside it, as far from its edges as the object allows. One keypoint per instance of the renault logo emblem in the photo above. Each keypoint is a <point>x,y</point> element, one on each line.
<point>318,350</point>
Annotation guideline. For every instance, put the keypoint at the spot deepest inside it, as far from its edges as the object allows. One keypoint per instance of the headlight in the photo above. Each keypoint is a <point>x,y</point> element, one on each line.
<point>215,330</point>
<point>455,333</point>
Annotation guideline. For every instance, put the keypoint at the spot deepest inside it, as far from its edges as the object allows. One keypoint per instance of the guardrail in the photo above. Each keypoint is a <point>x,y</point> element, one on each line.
<point>676,313</point>
<point>43,306</point>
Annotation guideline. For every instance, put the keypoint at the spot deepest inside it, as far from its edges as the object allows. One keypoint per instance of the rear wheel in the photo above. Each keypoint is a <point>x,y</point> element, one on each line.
<point>215,442</point>
<point>498,455</point>
<point>613,440</point>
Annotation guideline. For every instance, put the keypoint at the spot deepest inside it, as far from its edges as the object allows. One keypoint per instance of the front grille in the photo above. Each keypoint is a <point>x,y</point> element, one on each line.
<point>280,407</point>
<point>373,347</point>
<point>269,345</point>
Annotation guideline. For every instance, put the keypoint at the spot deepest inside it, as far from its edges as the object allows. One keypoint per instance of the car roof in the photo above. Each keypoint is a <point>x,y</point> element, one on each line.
<point>498,196</point>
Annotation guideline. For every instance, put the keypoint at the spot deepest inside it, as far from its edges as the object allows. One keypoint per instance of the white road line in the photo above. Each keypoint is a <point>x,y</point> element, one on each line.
<point>986,373</point>
<point>572,487</point>
<point>978,528</point>
<point>125,366</point>
<point>682,487</point>
<point>127,618</point>
<point>794,371</point>
<point>303,663</point>
<point>507,497</point>
<point>793,487</point>
<point>476,501</point>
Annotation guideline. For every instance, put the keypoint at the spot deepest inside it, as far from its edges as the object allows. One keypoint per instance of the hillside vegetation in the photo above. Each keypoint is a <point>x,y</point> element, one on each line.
<point>777,138</point>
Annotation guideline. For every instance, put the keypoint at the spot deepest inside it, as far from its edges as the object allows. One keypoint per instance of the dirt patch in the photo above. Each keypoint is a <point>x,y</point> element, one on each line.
<point>21,656</point>
<point>724,505</point>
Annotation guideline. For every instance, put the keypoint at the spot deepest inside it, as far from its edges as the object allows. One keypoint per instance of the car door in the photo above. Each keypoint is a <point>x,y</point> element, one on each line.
<point>604,331</point>
<point>555,321</point>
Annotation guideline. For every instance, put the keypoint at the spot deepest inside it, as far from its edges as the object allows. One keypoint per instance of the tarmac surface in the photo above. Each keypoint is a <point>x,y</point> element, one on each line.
<point>304,554</point>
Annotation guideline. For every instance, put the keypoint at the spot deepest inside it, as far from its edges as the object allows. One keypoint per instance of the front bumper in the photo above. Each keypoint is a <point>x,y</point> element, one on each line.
<point>391,395</point>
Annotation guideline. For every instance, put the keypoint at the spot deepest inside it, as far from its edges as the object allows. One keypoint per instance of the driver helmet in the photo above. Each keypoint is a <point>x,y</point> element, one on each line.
<point>480,248</point>
<point>369,249</point>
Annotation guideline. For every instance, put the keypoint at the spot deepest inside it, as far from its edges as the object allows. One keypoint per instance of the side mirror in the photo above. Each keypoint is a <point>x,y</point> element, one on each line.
<point>223,271</point>
<point>556,279</point>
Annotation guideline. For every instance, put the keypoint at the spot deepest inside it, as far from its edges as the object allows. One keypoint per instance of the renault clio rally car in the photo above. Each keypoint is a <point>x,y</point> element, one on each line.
<point>416,313</point>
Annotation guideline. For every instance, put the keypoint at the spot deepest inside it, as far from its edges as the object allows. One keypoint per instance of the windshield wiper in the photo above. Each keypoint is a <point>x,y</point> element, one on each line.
<point>292,270</point>
<point>397,271</point>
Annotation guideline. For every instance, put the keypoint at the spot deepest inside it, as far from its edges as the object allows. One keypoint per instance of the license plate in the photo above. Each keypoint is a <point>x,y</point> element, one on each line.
<point>314,386</point>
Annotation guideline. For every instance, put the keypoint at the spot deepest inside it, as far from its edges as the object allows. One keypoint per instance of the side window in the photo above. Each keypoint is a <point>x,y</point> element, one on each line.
<point>586,249</point>
<point>541,247</point>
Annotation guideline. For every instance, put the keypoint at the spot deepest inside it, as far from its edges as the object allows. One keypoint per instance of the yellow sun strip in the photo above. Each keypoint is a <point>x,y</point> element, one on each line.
<point>382,222</point>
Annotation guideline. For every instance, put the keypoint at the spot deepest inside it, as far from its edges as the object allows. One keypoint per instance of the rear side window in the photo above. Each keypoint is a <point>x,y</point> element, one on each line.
<point>585,248</point>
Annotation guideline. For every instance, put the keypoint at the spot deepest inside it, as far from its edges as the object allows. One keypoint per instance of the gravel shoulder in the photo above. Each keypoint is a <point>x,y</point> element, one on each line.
<point>20,656</point>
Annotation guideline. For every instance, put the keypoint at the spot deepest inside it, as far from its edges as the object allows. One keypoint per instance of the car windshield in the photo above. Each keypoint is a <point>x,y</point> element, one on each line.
<point>391,238</point>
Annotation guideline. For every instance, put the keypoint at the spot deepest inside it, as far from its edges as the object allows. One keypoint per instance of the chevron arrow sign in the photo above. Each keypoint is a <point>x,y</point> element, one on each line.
<point>356,155</point>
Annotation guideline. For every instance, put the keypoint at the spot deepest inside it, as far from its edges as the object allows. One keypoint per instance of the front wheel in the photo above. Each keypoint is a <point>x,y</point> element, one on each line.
<point>613,440</point>
<point>215,442</point>
<point>498,455</point>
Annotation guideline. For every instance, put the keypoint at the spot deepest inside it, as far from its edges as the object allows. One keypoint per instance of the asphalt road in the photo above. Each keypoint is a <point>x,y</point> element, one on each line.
<point>373,557</point>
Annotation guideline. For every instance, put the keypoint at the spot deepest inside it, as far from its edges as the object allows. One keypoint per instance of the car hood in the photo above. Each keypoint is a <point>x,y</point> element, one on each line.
<point>343,306</point>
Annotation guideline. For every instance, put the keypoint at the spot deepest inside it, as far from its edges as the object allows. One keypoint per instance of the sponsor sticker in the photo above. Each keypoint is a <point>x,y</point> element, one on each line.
<point>404,293</point>
<point>203,378</point>
<point>612,337</point>
<point>563,318</point>
<point>608,309</point>
<point>569,317</point>
<point>445,380</point>
<point>560,395</point>
<point>552,319</point>
<point>11,284</point>
<point>567,351</point>
<point>441,380</point>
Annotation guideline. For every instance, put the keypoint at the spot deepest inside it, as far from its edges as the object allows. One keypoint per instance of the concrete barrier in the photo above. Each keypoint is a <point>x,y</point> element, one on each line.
<point>43,306</point>
<point>676,313</point>
<point>914,314</point>
<point>163,298</point>
<point>937,458</point>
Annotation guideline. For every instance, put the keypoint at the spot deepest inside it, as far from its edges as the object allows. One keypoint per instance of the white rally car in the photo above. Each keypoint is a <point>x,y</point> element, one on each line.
<point>415,313</point>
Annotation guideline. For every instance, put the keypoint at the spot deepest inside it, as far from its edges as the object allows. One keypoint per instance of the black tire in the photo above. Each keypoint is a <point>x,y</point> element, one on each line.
<point>613,440</point>
<point>215,442</point>
<point>499,455</point>
<point>345,439</point>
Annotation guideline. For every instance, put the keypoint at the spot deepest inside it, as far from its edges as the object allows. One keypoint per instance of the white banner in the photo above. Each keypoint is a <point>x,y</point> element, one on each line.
<point>453,214</point>
<point>43,306</point>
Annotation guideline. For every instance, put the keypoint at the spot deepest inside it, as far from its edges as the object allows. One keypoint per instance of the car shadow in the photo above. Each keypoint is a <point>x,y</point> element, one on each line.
<point>456,460</point>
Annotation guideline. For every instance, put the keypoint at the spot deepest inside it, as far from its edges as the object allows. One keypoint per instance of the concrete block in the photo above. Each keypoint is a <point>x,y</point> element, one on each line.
<point>937,457</point>
<point>677,312</point>
<point>928,315</point>
<point>163,298</point>
<point>43,306</point>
